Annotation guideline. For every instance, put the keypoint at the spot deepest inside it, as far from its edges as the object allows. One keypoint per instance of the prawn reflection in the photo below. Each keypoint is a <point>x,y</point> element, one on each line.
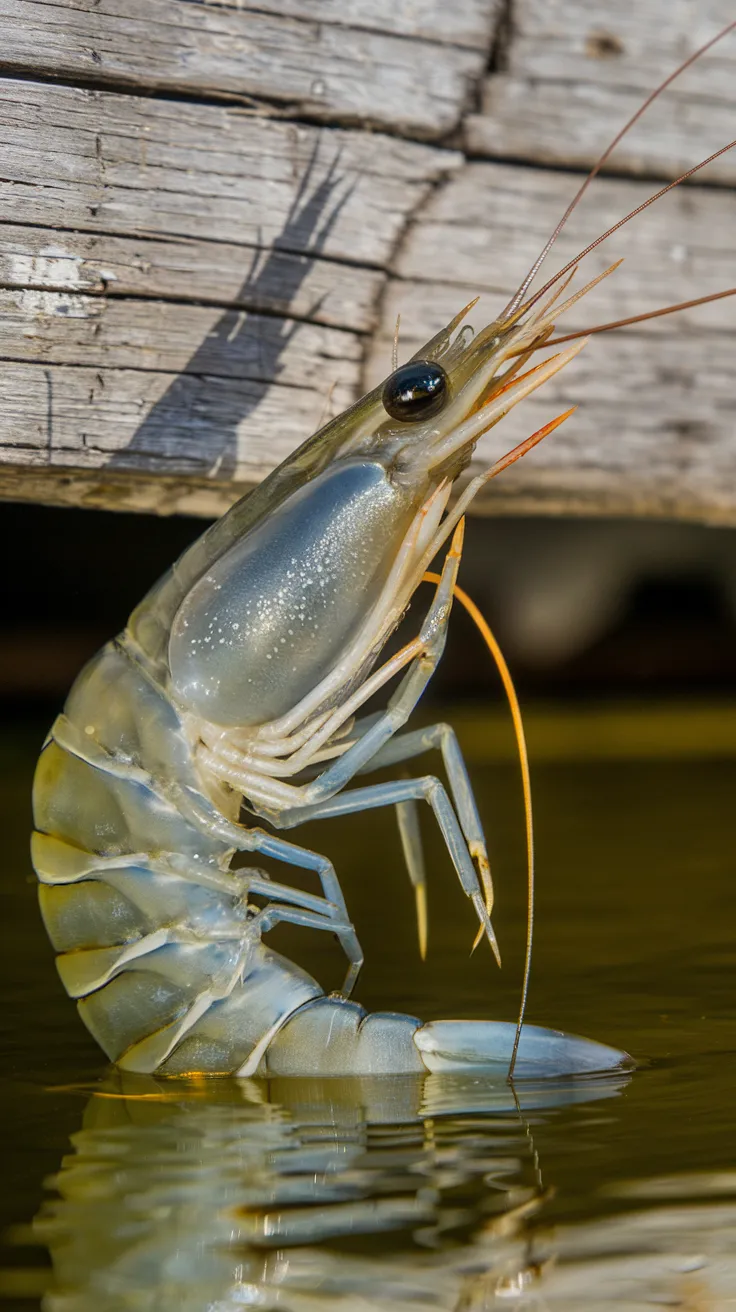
<point>212,1195</point>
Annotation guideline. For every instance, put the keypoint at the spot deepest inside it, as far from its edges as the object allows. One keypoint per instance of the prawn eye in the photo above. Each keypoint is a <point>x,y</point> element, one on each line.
<point>416,391</point>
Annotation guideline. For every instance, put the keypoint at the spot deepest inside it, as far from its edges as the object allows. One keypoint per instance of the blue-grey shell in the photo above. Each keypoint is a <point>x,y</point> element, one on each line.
<point>269,619</point>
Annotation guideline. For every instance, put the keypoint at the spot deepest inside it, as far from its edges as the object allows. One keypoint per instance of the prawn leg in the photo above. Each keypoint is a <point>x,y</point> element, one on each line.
<point>338,921</point>
<point>332,909</point>
<point>433,636</point>
<point>406,747</point>
<point>465,842</point>
<point>407,817</point>
<point>378,746</point>
<point>428,789</point>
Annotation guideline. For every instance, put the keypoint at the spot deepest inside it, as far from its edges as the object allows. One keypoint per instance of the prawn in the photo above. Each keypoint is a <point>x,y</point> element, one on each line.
<point>234,697</point>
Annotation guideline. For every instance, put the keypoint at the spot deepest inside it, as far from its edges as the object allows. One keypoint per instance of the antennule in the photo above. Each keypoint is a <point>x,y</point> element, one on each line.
<point>633,318</point>
<point>627,217</point>
<point>519,295</point>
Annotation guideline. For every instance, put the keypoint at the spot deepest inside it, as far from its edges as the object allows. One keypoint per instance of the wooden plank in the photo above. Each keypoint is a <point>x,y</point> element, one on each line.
<point>655,430</point>
<point>169,337</point>
<point>184,289</point>
<point>77,420</point>
<point>63,175</point>
<point>111,489</point>
<point>470,23</point>
<point>105,163</point>
<point>486,226</point>
<point>654,434</point>
<point>190,269</point>
<point>577,69</point>
<point>326,71</point>
<point>165,388</point>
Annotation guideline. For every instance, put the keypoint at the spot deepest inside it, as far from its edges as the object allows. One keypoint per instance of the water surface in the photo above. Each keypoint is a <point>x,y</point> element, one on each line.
<point>436,1193</point>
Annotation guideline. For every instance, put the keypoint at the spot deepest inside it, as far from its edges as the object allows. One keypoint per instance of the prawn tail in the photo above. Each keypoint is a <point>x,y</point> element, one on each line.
<point>332,1036</point>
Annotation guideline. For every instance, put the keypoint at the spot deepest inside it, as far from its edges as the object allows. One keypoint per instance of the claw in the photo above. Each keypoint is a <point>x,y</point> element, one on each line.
<point>482,865</point>
<point>485,927</point>
<point>480,856</point>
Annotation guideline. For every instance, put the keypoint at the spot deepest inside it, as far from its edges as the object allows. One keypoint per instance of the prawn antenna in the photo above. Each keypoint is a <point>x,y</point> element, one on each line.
<point>634,318</point>
<point>513,701</point>
<point>482,624</point>
<point>395,347</point>
<point>519,295</point>
<point>626,219</point>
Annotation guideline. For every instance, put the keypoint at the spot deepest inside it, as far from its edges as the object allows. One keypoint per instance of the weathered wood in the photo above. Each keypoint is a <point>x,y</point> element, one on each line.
<point>99,162</point>
<point>483,229</point>
<point>171,337</point>
<point>467,23</point>
<point>141,420</point>
<point>189,269</point>
<point>577,69</point>
<point>166,388</point>
<point>106,489</point>
<point>325,70</point>
<point>117,211</point>
<point>188,288</point>
<point>655,430</point>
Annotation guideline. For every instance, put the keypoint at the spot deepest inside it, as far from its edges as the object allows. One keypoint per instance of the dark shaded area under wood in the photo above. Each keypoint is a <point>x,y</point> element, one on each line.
<point>586,609</point>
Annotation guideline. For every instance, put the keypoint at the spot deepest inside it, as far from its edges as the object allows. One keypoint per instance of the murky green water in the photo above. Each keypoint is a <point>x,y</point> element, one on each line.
<point>438,1193</point>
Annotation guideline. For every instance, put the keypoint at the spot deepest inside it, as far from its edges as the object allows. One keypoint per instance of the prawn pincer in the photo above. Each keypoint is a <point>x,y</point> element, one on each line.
<point>234,697</point>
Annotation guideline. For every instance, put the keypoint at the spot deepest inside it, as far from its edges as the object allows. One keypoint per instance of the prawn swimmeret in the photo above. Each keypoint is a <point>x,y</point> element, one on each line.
<point>235,694</point>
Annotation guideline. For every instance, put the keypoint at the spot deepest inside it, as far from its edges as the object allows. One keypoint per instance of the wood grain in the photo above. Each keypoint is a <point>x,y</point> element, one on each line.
<point>150,422</point>
<point>655,430</point>
<point>189,269</point>
<point>185,287</point>
<point>468,23</point>
<point>169,337</point>
<point>576,70</point>
<point>75,158</point>
<point>324,70</point>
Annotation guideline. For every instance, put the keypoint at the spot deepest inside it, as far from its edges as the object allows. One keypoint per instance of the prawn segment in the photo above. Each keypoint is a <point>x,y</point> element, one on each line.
<point>347,1039</point>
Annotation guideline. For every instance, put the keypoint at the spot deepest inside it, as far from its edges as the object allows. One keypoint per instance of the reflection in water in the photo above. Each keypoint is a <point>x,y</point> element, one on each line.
<point>218,1195</point>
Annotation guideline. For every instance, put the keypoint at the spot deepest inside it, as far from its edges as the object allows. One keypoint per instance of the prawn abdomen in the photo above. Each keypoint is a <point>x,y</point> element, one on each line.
<point>157,943</point>
<point>153,933</point>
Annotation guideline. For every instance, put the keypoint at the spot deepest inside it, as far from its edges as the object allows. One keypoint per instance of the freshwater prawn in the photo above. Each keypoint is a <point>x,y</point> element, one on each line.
<point>233,696</point>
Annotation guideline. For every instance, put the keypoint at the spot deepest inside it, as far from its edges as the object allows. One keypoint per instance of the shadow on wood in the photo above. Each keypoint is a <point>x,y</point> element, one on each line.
<point>220,411</point>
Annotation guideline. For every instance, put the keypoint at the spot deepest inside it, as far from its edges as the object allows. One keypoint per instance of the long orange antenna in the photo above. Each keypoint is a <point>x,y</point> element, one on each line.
<point>484,629</point>
<point>518,297</point>
<point>509,459</point>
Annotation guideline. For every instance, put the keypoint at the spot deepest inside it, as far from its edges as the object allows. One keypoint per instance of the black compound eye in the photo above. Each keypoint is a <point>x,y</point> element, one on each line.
<point>416,391</point>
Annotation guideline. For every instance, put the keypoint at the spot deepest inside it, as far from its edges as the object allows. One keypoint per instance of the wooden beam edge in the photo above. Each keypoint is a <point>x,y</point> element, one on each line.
<point>208,498</point>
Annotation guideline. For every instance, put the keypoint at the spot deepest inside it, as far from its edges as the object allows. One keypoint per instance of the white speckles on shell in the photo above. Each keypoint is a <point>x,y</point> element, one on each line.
<point>286,600</point>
